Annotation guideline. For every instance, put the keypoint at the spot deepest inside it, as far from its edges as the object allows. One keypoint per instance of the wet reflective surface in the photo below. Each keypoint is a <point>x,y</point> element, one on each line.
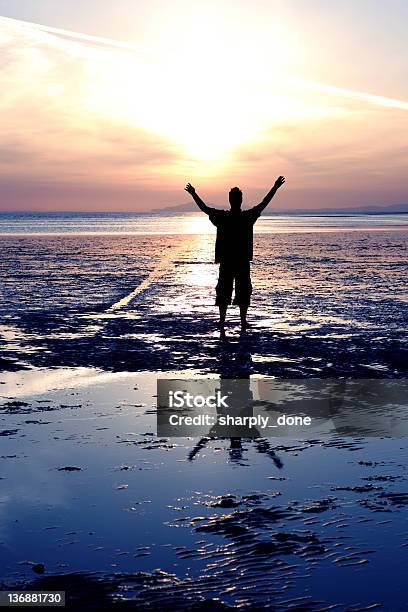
<point>88,490</point>
<point>324,304</point>
<point>87,487</point>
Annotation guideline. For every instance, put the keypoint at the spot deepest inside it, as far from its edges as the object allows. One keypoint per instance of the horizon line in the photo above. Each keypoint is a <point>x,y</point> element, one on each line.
<point>315,211</point>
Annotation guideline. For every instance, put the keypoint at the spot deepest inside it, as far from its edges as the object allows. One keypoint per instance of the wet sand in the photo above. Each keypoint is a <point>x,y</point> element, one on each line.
<point>324,304</point>
<point>92,501</point>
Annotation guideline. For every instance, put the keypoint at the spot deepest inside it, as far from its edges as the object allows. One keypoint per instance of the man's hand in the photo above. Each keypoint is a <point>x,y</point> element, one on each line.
<point>201,205</point>
<point>279,182</point>
<point>262,205</point>
<point>189,188</point>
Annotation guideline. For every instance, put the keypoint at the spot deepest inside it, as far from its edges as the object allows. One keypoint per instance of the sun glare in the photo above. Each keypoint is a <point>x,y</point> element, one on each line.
<point>205,90</point>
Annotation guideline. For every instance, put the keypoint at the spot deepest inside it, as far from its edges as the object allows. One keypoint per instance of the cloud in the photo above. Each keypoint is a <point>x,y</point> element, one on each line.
<point>91,123</point>
<point>53,143</point>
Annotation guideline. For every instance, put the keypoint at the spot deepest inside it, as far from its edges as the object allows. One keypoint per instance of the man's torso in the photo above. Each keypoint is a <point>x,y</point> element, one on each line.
<point>234,240</point>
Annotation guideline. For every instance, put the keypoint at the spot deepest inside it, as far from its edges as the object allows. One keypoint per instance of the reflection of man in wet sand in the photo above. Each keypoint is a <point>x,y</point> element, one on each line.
<point>233,248</point>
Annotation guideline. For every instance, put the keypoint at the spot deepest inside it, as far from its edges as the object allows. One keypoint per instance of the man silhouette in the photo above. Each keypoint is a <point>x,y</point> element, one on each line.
<point>234,248</point>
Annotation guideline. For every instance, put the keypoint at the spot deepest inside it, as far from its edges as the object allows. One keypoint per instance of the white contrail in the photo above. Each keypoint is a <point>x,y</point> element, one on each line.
<point>357,95</point>
<point>77,36</point>
<point>130,48</point>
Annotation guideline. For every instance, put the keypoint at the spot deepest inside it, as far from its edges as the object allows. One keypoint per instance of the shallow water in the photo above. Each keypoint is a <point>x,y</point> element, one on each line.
<point>87,487</point>
<point>323,304</point>
<point>89,491</point>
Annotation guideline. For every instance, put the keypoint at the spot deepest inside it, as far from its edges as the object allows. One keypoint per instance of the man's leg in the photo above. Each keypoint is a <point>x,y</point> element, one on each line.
<point>223,312</point>
<point>243,291</point>
<point>224,290</point>
<point>243,309</point>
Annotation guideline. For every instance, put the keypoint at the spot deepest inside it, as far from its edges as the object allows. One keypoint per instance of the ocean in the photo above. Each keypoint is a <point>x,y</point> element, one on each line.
<point>190,223</point>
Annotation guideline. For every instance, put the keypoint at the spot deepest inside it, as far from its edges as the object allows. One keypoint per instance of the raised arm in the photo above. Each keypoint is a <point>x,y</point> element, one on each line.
<point>201,205</point>
<point>262,205</point>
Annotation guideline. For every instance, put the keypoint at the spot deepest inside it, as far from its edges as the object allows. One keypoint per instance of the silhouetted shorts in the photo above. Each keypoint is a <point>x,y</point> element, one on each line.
<point>230,272</point>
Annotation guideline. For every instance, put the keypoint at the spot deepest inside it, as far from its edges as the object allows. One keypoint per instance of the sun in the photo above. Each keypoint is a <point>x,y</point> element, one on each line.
<point>207,99</point>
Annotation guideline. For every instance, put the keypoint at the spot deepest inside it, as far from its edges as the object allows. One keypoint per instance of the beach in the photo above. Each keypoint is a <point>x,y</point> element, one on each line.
<point>91,496</point>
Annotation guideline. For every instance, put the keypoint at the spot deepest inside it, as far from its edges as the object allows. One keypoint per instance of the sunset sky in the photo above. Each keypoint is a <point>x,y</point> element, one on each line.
<point>115,105</point>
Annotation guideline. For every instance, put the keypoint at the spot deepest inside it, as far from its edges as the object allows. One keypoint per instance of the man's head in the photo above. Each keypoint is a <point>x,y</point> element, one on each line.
<point>235,198</point>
